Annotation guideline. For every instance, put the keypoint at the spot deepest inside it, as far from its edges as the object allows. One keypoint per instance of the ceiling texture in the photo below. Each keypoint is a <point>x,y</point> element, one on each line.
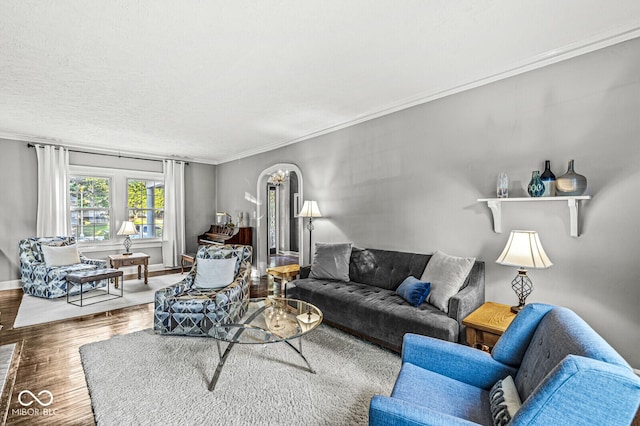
<point>213,81</point>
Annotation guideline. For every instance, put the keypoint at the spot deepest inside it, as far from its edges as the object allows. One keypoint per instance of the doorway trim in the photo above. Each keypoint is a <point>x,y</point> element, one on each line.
<point>261,214</point>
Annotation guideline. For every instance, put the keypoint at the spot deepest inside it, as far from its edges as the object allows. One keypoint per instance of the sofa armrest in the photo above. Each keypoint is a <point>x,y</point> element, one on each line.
<point>385,411</point>
<point>468,299</point>
<point>453,360</point>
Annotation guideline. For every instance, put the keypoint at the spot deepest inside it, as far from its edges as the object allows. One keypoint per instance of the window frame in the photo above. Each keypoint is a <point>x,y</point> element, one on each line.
<point>118,202</point>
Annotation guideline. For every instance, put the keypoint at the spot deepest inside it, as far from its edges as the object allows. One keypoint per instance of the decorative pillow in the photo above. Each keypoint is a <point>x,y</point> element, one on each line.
<point>331,262</point>
<point>446,275</point>
<point>504,401</point>
<point>413,290</point>
<point>214,273</point>
<point>60,255</point>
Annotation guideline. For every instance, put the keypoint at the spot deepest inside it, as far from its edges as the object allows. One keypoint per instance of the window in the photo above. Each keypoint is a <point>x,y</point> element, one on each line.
<point>145,202</point>
<point>90,207</point>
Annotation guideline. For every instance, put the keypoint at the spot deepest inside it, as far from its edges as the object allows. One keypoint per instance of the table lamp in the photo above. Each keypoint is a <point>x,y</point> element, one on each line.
<point>310,209</point>
<point>128,228</point>
<point>523,250</point>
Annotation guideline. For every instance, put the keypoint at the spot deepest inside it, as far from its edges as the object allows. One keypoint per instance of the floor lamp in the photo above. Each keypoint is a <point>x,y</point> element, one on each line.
<point>310,209</point>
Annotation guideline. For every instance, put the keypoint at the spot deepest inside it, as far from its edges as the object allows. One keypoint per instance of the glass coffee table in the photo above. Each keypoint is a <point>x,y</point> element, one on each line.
<point>265,320</point>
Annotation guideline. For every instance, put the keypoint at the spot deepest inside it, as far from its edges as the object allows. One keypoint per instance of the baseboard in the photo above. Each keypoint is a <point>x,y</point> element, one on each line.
<point>10,285</point>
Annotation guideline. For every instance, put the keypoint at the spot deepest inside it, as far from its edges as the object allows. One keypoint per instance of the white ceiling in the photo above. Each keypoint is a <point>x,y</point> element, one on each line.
<point>212,81</point>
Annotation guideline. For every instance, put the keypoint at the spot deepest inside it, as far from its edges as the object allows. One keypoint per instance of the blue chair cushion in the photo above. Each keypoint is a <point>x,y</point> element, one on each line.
<point>413,290</point>
<point>442,394</point>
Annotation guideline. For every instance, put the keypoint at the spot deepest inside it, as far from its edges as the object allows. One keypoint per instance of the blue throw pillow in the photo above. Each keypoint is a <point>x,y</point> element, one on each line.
<point>413,290</point>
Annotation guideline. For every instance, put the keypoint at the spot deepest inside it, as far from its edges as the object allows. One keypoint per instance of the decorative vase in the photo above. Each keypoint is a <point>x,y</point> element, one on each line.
<point>571,183</point>
<point>549,179</point>
<point>502,186</point>
<point>536,187</point>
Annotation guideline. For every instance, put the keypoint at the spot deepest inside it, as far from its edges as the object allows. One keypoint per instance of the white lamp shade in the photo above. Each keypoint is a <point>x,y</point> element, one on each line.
<point>524,250</point>
<point>310,209</point>
<point>127,228</point>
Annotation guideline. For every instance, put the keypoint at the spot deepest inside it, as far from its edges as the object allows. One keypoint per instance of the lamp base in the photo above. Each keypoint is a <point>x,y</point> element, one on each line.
<point>128,253</point>
<point>517,309</point>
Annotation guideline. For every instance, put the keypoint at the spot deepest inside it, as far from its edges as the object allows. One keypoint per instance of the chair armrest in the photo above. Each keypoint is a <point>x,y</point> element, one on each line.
<point>454,360</point>
<point>101,264</point>
<point>385,411</point>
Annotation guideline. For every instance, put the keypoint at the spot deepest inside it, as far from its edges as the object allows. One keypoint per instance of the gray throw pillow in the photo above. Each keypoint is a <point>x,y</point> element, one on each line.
<point>446,275</point>
<point>331,262</point>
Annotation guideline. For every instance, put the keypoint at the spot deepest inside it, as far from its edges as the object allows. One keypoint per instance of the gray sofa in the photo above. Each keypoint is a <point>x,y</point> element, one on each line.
<point>368,306</point>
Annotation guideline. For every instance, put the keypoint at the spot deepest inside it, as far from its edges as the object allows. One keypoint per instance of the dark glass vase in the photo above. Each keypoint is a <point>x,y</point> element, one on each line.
<point>535,187</point>
<point>549,179</point>
<point>571,183</point>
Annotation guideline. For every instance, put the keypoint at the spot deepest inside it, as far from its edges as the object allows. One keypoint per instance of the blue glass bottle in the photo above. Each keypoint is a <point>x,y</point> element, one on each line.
<point>536,187</point>
<point>549,179</point>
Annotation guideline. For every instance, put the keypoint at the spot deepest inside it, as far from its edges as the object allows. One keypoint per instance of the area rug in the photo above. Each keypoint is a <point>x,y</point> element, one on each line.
<point>6,354</point>
<point>147,379</point>
<point>36,310</point>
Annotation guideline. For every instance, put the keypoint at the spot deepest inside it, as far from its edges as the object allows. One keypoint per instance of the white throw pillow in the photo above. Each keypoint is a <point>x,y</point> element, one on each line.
<point>446,275</point>
<point>60,255</point>
<point>215,273</point>
<point>504,401</point>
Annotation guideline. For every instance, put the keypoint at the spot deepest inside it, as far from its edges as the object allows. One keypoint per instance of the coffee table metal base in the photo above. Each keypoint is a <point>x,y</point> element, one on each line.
<point>223,358</point>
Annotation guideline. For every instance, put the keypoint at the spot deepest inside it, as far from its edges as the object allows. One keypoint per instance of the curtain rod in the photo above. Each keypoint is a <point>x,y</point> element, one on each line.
<point>31,145</point>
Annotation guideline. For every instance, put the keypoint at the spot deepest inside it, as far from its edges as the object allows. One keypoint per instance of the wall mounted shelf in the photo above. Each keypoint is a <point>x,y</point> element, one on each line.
<point>495,204</point>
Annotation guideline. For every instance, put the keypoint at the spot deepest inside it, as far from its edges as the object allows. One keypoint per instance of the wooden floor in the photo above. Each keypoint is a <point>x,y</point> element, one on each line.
<point>49,359</point>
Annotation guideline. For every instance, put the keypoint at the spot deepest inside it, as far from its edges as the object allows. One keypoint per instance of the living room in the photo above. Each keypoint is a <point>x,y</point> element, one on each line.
<point>407,176</point>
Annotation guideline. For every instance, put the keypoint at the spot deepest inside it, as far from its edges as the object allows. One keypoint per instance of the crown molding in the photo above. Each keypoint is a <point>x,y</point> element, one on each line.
<point>582,47</point>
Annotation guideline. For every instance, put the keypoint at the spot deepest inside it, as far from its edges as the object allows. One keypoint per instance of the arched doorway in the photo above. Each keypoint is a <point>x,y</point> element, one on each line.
<point>278,229</point>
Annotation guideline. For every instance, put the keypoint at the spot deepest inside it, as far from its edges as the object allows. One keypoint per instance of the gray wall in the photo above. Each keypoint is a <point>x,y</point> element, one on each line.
<point>409,181</point>
<point>19,173</point>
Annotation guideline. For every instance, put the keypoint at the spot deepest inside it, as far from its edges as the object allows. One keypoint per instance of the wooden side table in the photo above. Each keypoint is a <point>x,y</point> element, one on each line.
<point>139,259</point>
<point>187,258</point>
<point>486,324</point>
<point>284,273</point>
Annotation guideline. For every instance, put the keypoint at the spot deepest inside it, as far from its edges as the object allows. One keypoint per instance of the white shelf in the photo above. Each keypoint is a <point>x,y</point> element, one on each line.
<point>495,204</point>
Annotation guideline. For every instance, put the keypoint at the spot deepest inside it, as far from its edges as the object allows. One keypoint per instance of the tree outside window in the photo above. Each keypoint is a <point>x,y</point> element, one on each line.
<point>90,207</point>
<point>145,201</point>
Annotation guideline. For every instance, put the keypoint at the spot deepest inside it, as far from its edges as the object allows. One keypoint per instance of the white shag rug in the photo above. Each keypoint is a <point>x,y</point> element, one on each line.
<point>36,310</point>
<point>147,379</point>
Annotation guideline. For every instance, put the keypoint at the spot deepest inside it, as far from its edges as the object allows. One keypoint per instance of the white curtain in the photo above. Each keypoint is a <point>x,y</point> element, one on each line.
<point>173,240</point>
<point>53,217</point>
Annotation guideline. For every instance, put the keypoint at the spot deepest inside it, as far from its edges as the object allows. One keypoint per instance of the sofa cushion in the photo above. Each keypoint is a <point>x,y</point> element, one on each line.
<point>447,275</point>
<point>375,312</point>
<point>442,394</point>
<point>384,268</point>
<point>60,255</point>
<point>413,291</point>
<point>331,261</point>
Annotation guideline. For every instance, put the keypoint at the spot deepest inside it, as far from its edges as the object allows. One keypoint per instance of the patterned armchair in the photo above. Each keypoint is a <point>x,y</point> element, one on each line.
<point>186,310</point>
<point>49,281</point>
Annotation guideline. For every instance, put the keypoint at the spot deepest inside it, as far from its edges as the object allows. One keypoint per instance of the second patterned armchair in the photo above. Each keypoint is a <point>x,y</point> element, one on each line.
<point>185,309</point>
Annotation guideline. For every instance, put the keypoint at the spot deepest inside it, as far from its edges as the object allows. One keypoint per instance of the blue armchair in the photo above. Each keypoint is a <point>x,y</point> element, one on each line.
<point>564,373</point>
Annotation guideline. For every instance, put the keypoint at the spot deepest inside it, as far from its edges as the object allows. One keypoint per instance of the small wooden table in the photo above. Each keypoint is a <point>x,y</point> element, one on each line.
<point>284,273</point>
<point>140,259</point>
<point>486,324</point>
